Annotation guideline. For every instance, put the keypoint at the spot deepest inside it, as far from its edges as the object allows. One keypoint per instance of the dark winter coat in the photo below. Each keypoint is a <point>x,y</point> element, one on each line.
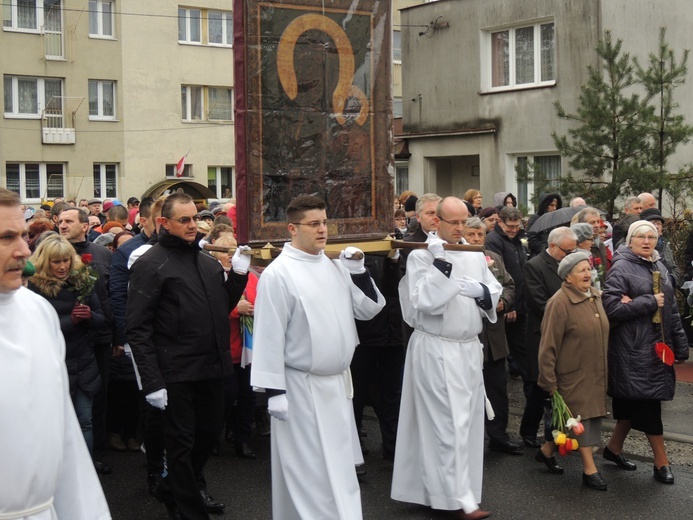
<point>514,257</point>
<point>101,261</point>
<point>493,336</point>
<point>635,371</point>
<point>177,315</point>
<point>541,281</point>
<point>538,241</point>
<point>80,359</point>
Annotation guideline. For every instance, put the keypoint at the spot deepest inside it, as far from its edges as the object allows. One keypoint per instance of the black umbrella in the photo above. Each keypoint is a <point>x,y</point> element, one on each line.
<point>560,217</point>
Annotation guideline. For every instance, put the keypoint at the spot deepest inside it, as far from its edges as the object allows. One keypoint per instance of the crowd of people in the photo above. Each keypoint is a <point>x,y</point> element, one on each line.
<point>171,341</point>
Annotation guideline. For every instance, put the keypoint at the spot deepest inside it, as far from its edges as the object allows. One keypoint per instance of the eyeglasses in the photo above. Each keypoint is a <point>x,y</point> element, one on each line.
<point>566,251</point>
<point>454,222</point>
<point>184,220</point>
<point>513,227</point>
<point>315,224</point>
<point>646,237</point>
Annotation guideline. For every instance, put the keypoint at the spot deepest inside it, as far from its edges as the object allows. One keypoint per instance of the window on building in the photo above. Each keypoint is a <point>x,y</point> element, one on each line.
<point>189,25</point>
<point>397,106</point>
<point>522,56</point>
<point>191,103</point>
<point>101,100</point>
<point>220,103</point>
<point>171,171</point>
<point>397,46</point>
<point>105,181</point>
<point>220,180</point>
<point>101,18</point>
<point>35,181</point>
<point>401,178</point>
<point>220,28</point>
<point>545,172</point>
<point>27,97</point>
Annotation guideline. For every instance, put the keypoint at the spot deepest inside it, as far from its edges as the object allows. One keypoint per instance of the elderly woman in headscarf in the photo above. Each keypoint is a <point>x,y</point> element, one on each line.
<point>585,240</point>
<point>573,360</point>
<point>640,377</point>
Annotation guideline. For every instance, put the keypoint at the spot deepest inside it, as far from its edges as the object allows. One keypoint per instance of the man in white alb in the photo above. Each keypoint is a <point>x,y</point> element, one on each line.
<point>45,468</point>
<point>303,343</point>
<point>440,436</point>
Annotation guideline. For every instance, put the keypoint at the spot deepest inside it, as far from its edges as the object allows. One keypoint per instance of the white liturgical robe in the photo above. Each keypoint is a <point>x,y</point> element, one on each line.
<point>303,342</point>
<point>45,469</point>
<point>439,452</point>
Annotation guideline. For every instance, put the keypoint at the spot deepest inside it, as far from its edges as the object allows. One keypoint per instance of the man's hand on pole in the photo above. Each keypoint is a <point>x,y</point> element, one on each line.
<point>240,262</point>
<point>435,246</point>
<point>353,259</point>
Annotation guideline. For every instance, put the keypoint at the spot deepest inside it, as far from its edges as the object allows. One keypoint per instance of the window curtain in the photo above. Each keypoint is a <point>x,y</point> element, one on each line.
<point>524,55</point>
<point>500,70</point>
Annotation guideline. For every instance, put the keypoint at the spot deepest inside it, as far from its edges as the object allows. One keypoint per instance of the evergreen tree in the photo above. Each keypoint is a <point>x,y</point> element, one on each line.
<point>609,147</point>
<point>666,129</point>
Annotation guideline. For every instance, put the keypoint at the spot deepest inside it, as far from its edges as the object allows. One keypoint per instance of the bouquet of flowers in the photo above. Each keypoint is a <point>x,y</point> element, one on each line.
<point>247,339</point>
<point>84,279</point>
<point>562,420</point>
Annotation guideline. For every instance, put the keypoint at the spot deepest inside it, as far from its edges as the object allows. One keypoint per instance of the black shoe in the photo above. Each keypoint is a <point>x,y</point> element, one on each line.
<point>361,471</point>
<point>619,460</point>
<point>172,510</point>
<point>505,446</point>
<point>212,505</point>
<point>531,441</point>
<point>550,462</point>
<point>663,475</point>
<point>102,468</point>
<point>594,481</point>
<point>243,451</point>
<point>153,481</point>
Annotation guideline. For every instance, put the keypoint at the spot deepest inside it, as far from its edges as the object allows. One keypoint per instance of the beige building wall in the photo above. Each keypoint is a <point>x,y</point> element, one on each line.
<point>148,65</point>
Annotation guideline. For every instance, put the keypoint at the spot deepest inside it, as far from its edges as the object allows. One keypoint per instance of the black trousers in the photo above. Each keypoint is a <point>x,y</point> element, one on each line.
<point>153,436</point>
<point>239,404</point>
<point>193,420</point>
<point>383,369</point>
<point>496,384</point>
<point>124,408</point>
<point>515,334</point>
<point>103,352</point>
<point>534,411</point>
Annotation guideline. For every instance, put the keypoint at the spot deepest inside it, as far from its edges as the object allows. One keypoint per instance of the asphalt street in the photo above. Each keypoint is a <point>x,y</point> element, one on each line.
<point>515,487</point>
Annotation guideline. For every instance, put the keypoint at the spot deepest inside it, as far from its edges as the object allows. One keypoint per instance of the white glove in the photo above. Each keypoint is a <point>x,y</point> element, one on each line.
<point>470,287</point>
<point>158,399</point>
<point>278,407</point>
<point>354,265</point>
<point>240,262</point>
<point>435,246</point>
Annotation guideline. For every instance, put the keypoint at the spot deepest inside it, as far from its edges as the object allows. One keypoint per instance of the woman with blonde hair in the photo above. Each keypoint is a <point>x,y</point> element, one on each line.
<point>474,198</point>
<point>61,279</point>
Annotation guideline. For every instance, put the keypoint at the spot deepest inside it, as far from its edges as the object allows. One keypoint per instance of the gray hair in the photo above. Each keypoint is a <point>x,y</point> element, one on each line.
<point>475,223</point>
<point>559,234</point>
<point>510,213</point>
<point>628,203</point>
<point>426,197</point>
<point>581,216</point>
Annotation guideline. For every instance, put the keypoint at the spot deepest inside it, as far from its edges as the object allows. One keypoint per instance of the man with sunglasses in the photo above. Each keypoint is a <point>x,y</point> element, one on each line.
<point>177,325</point>
<point>541,281</point>
<point>304,339</point>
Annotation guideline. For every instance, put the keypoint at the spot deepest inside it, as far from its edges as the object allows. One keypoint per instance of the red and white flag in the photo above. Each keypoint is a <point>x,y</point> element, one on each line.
<point>180,166</point>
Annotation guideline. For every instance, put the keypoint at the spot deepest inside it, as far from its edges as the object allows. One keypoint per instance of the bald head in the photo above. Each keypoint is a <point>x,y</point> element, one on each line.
<point>648,200</point>
<point>452,213</point>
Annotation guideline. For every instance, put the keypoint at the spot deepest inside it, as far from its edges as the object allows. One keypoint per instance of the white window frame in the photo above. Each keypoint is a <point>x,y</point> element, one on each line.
<point>487,57</point>
<point>206,93</point>
<point>226,38</point>
<point>189,117</point>
<point>43,181</point>
<point>100,100</point>
<point>40,97</point>
<point>96,12</point>
<point>171,171</point>
<point>512,173</point>
<point>218,183</point>
<point>14,17</point>
<point>103,173</point>
<point>185,13</point>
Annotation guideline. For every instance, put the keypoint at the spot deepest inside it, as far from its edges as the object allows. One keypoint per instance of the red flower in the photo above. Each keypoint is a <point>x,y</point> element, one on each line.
<point>597,261</point>
<point>86,258</point>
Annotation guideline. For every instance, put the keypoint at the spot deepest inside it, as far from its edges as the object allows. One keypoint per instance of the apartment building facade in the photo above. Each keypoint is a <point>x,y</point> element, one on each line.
<point>479,86</point>
<point>102,98</point>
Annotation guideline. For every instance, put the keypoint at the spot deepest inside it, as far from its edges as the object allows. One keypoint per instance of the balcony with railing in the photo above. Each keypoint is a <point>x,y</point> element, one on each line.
<point>57,122</point>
